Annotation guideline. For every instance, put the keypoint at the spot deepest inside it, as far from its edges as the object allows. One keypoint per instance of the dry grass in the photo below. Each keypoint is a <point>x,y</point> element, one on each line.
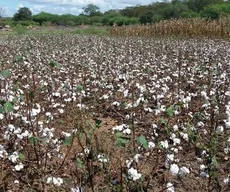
<point>194,27</point>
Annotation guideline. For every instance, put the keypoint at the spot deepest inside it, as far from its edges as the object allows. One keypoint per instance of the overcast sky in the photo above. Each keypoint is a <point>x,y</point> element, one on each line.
<point>66,6</point>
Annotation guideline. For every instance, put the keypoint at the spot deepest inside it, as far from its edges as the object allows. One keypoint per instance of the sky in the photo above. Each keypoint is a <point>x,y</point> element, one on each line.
<point>66,6</point>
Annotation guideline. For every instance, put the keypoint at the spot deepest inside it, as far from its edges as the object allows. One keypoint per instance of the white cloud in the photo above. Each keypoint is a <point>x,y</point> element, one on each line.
<point>102,4</point>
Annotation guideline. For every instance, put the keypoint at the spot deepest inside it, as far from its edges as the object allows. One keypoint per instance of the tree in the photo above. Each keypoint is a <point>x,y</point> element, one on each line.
<point>146,18</point>
<point>215,11</point>
<point>23,14</point>
<point>91,10</point>
<point>198,5</point>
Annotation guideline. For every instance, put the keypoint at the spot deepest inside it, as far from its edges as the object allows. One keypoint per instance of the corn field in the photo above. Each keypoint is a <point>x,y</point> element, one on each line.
<point>194,27</point>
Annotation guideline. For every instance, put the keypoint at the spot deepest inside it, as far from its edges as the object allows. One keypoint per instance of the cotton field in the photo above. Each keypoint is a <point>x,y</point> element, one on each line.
<point>90,113</point>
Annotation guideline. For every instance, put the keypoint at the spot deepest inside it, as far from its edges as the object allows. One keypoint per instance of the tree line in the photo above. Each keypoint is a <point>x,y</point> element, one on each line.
<point>139,14</point>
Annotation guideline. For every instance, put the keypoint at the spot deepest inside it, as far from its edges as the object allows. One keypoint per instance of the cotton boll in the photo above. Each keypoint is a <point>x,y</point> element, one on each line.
<point>227,124</point>
<point>164,144</point>
<point>19,167</point>
<point>184,171</point>
<point>226,181</point>
<point>151,145</point>
<point>170,187</point>
<point>219,129</point>
<point>174,169</point>
<point>136,158</point>
<point>134,174</point>
<point>127,131</point>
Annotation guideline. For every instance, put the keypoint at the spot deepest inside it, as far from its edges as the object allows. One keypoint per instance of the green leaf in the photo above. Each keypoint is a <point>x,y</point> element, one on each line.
<point>121,141</point>
<point>163,122</point>
<point>170,111</point>
<point>68,141</point>
<point>33,140</point>
<point>55,64</point>
<point>18,59</point>
<point>31,95</point>
<point>142,141</point>
<point>98,123</point>
<point>80,163</point>
<point>61,121</point>
<point>21,156</point>
<point>5,73</point>
<point>8,107</point>
<point>79,88</point>
<point>214,161</point>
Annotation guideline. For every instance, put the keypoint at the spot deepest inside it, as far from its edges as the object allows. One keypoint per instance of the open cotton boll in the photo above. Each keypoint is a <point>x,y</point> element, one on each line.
<point>183,171</point>
<point>19,167</point>
<point>151,145</point>
<point>170,187</point>
<point>226,181</point>
<point>227,124</point>
<point>56,181</point>
<point>174,169</point>
<point>134,174</point>
<point>164,144</point>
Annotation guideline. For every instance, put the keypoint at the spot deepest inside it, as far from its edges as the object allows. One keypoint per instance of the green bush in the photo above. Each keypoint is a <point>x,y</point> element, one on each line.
<point>20,30</point>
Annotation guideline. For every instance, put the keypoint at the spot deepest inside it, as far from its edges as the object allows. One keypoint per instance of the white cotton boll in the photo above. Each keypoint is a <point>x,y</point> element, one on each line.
<point>128,163</point>
<point>164,144</point>
<point>170,187</point>
<point>148,110</point>
<point>151,145</point>
<point>154,126</point>
<point>170,157</point>
<point>184,136</point>
<point>176,141</point>
<point>48,114</point>
<point>227,93</point>
<point>219,129</point>
<point>127,131</point>
<point>115,103</point>
<point>56,94</point>
<point>19,167</point>
<point>87,150</point>
<point>175,128</point>
<point>226,150</point>
<point>101,158</point>
<point>105,97</point>
<point>126,93</point>
<point>16,181</point>
<point>56,181</point>
<point>13,158</point>
<point>227,124</point>
<point>173,135</point>
<point>183,171</point>
<point>134,174</point>
<point>61,111</point>
<point>203,93</point>
<point>175,150</point>
<point>11,127</point>
<point>200,124</point>
<point>136,158</point>
<point>174,169</point>
<point>1,116</point>
<point>202,167</point>
<point>226,181</point>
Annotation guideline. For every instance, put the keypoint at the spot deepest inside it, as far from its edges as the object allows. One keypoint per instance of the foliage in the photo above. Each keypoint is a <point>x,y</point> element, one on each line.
<point>20,29</point>
<point>215,11</point>
<point>23,14</point>
<point>146,18</point>
<point>91,10</point>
